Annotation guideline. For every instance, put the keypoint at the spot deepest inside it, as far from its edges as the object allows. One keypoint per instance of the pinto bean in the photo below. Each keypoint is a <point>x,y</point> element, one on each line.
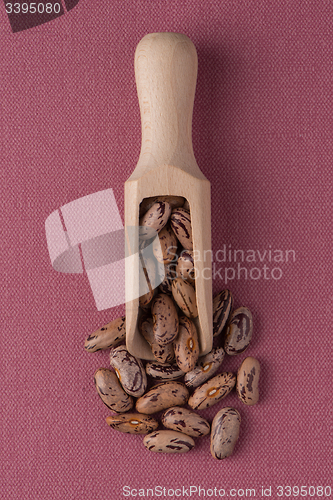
<point>206,367</point>
<point>132,423</point>
<point>212,391</point>
<point>186,345</point>
<point>110,391</point>
<point>239,331</point>
<point>247,381</point>
<point>222,306</point>
<point>167,441</point>
<point>154,220</point>
<point>187,421</point>
<point>225,432</point>
<point>129,370</point>
<point>181,225</point>
<point>165,318</point>
<point>108,336</point>
<point>162,396</point>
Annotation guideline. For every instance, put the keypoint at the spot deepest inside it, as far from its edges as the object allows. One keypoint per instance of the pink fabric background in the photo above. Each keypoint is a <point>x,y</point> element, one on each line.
<point>262,133</point>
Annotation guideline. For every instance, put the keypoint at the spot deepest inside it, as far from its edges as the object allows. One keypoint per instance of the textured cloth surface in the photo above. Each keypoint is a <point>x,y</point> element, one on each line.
<point>262,135</point>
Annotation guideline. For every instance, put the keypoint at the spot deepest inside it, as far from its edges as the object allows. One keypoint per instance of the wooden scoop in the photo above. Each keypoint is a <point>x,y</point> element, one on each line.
<point>166,71</point>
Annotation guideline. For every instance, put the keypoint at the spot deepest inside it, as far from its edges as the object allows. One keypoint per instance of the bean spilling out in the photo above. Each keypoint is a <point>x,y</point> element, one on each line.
<point>136,390</point>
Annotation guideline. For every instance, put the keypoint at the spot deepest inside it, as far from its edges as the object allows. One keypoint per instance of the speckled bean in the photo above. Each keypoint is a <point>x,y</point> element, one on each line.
<point>185,297</point>
<point>167,441</point>
<point>206,367</point>
<point>222,307</point>
<point>111,392</point>
<point>162,396</point>
<point>185,266</point>
<point>212,391</point>
<point>165,318</point>
<point>186,345</point>
<point>186,421</point>
<point>146,328</point>
<point>147,203</point>
<point>167,273</point>
<point>181,225</point>
<point>163,371</point>
<point>247,381</point>
<point>154,220</point>
<point>165,245</point>
<point>108,336</point>
<point>129,370</point>
<point>239,331</point>
<point>132,423</point>
<point>163,353</point>
<point>225,432</point>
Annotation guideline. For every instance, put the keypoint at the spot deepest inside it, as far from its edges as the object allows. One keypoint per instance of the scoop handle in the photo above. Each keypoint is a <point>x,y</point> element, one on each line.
<point>166,66</point>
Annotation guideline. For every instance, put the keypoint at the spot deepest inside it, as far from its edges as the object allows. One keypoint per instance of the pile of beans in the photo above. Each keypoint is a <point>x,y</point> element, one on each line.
<point>177,376</point>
